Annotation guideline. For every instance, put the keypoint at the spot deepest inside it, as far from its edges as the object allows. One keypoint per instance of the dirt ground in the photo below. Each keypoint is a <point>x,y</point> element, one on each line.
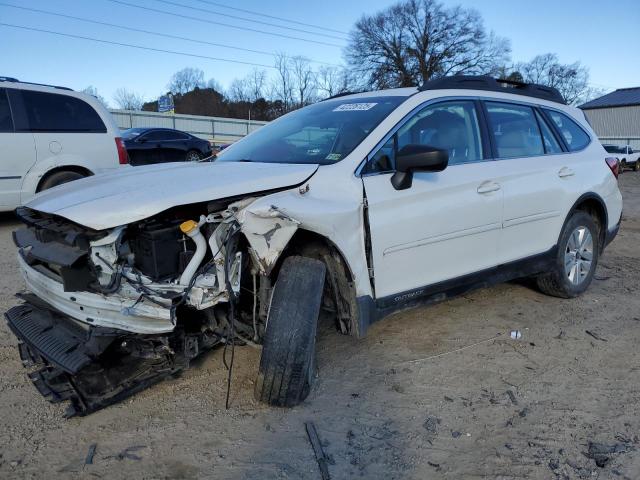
<point>436,392</point>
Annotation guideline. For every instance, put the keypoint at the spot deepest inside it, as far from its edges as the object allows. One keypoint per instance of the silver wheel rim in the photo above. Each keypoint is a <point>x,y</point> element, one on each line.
<point>578,255</point>
<point>192,157</point>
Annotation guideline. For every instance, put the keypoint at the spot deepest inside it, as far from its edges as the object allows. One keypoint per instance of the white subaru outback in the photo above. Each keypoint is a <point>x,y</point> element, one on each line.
<point>359,205</point>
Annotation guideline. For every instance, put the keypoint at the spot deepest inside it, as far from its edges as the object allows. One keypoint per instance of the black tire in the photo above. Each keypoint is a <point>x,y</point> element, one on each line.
<point>192,156</point>
<point>59,178</point>
<point>556,282</point>
<point>287,365</point>
<point>636,166</point>
<point>623,165</point>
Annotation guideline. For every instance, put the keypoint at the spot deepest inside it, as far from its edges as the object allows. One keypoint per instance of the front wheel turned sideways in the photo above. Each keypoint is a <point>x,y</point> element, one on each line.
<point>286,371</point>
<point>576,260</point>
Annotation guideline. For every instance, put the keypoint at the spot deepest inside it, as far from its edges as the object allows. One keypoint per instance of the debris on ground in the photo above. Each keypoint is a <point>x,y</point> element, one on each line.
<point>516,334</point>
<point>128,453</point>
<point>512,397</point>
<point>595,335</point>
<point>90,454</point>
<point>602,453</point>
<point>431,424</point>
<point>316,444</point>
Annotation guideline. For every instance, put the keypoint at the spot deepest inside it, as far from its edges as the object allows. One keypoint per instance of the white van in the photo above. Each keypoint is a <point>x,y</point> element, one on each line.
<point>49,136</point>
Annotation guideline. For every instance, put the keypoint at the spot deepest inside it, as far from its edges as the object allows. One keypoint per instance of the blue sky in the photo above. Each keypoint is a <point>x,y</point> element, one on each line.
<point>602,35</point>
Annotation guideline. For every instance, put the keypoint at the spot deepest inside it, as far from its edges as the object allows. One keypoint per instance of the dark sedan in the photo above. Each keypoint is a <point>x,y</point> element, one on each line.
<point>159,145</point>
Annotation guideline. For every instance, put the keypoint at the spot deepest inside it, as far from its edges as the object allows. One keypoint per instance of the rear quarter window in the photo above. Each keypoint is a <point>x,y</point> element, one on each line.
<point>574,136</point>
<point>49,112</point>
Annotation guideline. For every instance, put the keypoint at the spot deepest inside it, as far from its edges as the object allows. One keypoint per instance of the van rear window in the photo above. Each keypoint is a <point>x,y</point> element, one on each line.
<point>49,112</point>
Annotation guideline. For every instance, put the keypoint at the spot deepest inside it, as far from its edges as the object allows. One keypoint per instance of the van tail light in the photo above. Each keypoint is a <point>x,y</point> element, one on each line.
<point>123,156</point>
<point>614,165</point>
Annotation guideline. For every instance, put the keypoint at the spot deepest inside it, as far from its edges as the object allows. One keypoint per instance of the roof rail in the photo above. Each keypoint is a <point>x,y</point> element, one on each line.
<point>490,84</point>
<point>15,80</point>
<point>338,95</point>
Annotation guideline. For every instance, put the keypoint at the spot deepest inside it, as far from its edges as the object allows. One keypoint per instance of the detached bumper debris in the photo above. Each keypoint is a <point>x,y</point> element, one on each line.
<point>316,444</point>
<point>91,368</point>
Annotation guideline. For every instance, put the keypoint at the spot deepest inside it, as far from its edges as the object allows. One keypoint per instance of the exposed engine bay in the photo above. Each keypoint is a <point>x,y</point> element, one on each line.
<point>112,312</point>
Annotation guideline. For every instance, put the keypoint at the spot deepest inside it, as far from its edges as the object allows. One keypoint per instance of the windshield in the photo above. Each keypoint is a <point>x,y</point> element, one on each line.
<point>323,133</point>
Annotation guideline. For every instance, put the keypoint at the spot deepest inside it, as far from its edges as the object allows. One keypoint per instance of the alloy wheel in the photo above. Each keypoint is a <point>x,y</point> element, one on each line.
<point>578,255</point>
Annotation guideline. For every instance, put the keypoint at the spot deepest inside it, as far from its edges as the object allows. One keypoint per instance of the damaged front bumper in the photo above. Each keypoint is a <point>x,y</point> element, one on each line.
<point>94,309</point>
<point>70,362</point>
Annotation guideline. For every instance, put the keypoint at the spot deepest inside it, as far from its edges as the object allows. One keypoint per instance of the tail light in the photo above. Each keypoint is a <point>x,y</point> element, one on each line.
<point>123,156</point>
<point>614,165</point>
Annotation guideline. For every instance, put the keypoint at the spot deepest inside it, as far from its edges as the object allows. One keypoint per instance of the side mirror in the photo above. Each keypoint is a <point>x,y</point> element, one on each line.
<point>414,157</point>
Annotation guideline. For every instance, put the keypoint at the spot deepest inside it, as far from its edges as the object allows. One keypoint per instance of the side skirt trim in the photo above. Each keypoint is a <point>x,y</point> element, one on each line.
<point>371,310</point>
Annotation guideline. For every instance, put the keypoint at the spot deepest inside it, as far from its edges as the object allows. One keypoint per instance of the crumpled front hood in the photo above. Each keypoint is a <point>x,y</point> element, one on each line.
<point>135,193</point>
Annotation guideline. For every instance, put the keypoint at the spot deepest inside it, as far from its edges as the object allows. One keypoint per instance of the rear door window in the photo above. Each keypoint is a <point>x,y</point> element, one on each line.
<point>574,136</point>
<point>515,130</point>
<point>6,123</point>
<point>169,135</point>
<point>50,112</point>
<point>155,136</point>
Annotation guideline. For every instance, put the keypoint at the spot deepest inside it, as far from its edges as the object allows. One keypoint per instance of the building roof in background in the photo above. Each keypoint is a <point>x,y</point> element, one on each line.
<point>623,97</point>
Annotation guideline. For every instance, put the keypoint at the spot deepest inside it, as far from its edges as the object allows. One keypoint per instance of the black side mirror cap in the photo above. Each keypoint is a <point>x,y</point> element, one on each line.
<point>415,157</point>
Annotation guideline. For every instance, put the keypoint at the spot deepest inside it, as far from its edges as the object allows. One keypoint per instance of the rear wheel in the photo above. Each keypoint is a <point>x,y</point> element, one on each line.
<point>193,156</point>
<point>59,178</point>
<point>623,165</point>
<point>636,166</point>
<point>286,370</point>
<point>576,260</point>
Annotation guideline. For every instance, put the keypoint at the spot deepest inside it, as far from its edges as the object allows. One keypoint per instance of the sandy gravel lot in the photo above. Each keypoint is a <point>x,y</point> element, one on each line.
<point>403,403</point>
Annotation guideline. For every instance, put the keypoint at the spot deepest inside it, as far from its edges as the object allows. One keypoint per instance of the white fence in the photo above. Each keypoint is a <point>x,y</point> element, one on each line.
<point>215,129</point>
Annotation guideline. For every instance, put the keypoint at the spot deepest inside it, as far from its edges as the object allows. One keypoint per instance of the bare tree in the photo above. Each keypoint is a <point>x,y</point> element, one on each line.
<point>332,81</point>
<point>304,80</point>
<point>93,91</point>
<point>282,86</point>
<point>239,90</point>
<point>256,83</point>
<point>214,85</point>
<point>128,100</point>
<point>572,80</point>
<point>186,80</point>
<point>416,40</point>
<point>249,88</point>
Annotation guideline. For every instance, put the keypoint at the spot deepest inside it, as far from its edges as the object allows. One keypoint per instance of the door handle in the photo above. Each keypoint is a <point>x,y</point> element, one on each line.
<point>488,187</point>
<point>565,172</point>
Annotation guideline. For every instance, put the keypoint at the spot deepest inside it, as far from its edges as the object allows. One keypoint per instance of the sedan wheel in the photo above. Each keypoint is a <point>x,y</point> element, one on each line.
<point>192,156</point>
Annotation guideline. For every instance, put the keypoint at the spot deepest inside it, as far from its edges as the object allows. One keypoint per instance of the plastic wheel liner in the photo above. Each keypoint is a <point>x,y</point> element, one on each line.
<point>90,367</point>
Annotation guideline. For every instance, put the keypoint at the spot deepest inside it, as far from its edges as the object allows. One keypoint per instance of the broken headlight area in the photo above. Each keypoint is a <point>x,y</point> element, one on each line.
<point>113,312</point>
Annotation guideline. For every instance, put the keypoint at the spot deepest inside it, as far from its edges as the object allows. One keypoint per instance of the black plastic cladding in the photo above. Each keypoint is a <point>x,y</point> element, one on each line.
<point>490,84</point>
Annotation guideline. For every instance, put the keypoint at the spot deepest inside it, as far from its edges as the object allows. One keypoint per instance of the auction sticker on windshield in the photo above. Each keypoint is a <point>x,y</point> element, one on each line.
<point>354,107</point>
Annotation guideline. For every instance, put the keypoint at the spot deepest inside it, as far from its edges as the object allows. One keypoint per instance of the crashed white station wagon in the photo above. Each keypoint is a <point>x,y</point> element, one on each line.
<point>358,205</point>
